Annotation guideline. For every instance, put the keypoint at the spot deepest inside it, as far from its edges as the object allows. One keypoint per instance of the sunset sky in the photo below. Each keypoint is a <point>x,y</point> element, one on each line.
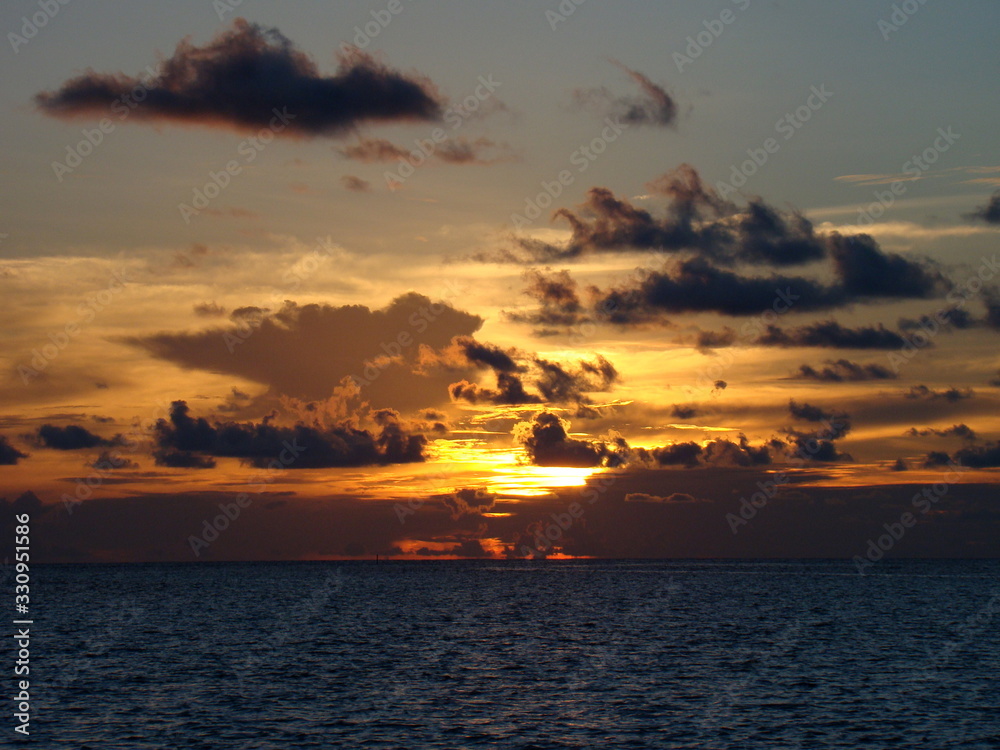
<point>424,280</point>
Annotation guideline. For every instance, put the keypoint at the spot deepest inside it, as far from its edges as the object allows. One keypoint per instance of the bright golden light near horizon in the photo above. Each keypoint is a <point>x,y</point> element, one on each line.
<point>507,472</point>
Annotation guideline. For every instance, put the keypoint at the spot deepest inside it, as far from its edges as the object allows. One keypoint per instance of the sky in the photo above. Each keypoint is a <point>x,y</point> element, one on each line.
<point>544,280</point>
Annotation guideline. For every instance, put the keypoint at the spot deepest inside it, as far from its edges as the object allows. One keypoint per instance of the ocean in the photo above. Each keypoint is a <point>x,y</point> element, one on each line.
<point>519,654</point>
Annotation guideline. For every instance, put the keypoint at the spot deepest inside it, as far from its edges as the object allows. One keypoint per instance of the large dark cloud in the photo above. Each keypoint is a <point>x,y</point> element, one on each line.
<point>990,212</point>
<point>694,285</point>
<point>843,370</point>
<point>980,456</point>
<point>69,438</point>
<point>866,272</point>
<point>9,455</point>
<point>307,350</point>
<point>654,106</point>
<point>243,75</point>
<point>184,438</point>
<point>714,241</point>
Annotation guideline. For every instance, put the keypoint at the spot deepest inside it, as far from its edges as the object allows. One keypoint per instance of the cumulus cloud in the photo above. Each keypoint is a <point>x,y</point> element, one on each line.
<point>818,445</point>
<point>547,442</point>
<point>184,438</point>
<point>979,457</point>
<point>243,77</point>
<point>710,242</point>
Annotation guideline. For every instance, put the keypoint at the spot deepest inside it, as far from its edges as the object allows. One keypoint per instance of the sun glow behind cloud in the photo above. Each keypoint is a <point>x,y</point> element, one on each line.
<point>505,471</point>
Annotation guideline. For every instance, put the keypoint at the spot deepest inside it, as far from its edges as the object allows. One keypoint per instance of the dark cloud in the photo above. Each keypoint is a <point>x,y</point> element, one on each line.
<point>555,382</point>
<point>303,446</point>
<point>696,220</point>
<point>9,455</point>
<point>867,272</point>
<point>818,445</point>
<point>958,430</point>
<point>111,461</point>
<point>546,441</point>
<point>559,305</point>
<point>509,391</point>
<point>843,370</point>
<point>951,395</point>
<point>678,454</point>
<point>716,240</point>
<point>69,438</point>
<point>246,73</point>
<point>990,212</point>
<point>653,107</point>
<point>838,423</point>
<point>487,355</point>
<point>182,460</point>
<point>831,335</point>
<point>992,303</point>
<point>561,384</point>
<point>708,340</point>
<point>682,411</point>
<point>694,285</point>
<point>741,453</point>
<point>953,318</point>
<point>979,457</point>
<point>306,350</point>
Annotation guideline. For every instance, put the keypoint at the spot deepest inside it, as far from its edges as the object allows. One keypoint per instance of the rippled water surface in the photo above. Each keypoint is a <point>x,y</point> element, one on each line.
<point>518,655</point>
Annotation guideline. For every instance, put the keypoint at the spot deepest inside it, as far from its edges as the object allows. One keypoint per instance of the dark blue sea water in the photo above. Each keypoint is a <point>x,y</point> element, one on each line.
<point>517,655</point>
